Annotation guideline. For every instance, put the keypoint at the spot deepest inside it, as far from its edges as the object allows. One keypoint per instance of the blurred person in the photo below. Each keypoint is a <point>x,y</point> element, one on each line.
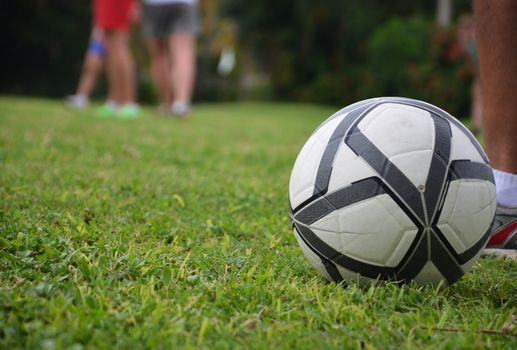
<point>170,28</point>
<point>467,39</point>
<point>496,33</point>
<point>226,61</point>
<point>114,17</point>
<point>92,67</point>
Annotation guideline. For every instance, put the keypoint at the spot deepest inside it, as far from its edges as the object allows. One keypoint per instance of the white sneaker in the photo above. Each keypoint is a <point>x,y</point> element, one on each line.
<point>77,101</point>
<point>180,109</point>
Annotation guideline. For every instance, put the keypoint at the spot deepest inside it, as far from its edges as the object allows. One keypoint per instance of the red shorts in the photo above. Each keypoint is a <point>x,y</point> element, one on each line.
<point>112,14</point>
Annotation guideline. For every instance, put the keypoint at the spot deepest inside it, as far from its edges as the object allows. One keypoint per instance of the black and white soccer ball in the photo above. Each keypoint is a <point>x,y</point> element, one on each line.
<point>392,189</point>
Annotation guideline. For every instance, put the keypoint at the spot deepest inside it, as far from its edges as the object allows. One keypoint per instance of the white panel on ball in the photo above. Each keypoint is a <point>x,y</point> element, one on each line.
<point>473,217</point>
<point>348,168</point>
<point>405,135</point>
<point>430,273</point>
<point>328,223</point>
<point>468,265</point>
<point>468,210</point>
<point>462,146</point>
<point>301,186</point>
<point>406,239</point>
<point>312,257</point>
<point>453,237</point>
<point>352,276</point>
<point>414,165</point>
<point>367,230</point>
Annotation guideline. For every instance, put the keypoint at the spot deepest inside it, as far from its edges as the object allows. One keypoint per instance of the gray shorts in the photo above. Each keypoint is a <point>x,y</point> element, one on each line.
<point>160,21</point>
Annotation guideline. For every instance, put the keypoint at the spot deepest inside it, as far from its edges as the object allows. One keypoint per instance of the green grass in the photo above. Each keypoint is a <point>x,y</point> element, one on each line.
<point>156,233</point>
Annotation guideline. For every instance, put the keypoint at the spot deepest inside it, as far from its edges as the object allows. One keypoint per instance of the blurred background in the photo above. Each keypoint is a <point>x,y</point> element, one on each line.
<point>328,51</point>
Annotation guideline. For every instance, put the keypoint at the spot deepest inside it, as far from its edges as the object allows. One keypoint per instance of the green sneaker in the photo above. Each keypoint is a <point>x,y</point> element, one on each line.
<point>107,110</point>
<point>128,111</point>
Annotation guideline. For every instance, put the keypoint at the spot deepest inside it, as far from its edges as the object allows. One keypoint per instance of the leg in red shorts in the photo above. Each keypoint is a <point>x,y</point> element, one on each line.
<point>112,14</point>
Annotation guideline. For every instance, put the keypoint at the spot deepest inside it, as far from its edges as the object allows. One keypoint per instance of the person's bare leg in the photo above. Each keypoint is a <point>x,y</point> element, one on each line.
<point>120,67</point>
<point>496,34</point>
<point>477,105</point>
<point>91,69</point>
<point>112,68</point>
<point>160,70</point>
<point>126,60</point>
<point>182,48</point>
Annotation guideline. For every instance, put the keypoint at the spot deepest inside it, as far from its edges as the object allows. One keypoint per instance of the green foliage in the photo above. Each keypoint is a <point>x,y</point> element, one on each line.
<point>409,57</point>
<point>338,52</point>
<point>393,49</point>
<point>43,44</point>
<point>160,234</point>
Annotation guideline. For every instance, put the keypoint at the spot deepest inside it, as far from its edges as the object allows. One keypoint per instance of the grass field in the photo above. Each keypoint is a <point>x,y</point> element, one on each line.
<point>163,234</point>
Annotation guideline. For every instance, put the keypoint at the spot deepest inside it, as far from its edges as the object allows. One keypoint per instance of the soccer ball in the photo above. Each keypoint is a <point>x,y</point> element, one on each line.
<point>392,189</point>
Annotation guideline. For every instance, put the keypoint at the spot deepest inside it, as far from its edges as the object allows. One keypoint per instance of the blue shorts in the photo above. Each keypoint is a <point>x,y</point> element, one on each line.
<point>97,48</point>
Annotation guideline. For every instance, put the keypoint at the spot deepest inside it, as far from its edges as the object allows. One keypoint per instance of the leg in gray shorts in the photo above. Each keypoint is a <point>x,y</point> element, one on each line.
<point>160,21</point>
